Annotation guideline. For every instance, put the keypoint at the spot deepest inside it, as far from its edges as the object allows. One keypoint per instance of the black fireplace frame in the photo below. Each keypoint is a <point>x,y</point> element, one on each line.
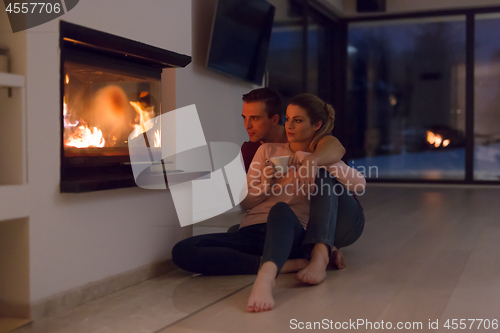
<point>91,47</point>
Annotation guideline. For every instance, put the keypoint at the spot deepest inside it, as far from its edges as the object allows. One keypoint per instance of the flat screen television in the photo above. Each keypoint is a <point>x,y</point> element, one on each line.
<point>240,38</point>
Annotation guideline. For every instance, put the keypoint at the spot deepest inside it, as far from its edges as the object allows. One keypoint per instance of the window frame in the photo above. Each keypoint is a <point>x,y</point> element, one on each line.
<point>341,84</point>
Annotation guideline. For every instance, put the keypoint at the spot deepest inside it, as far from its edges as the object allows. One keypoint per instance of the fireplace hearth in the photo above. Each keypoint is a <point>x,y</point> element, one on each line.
<point>110,86</point>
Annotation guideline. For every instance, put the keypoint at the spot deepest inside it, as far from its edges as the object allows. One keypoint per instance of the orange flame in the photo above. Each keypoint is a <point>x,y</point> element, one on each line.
<point>436,139</point>
<point>157,142</point>
<point>66,116</point>
<point>144,115</point>
<point>85,137</point>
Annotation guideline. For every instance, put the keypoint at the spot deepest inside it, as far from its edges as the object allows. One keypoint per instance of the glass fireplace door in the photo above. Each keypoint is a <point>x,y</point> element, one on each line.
<point>110,97</point>
<point>104,100</point>
<point>103,106</point>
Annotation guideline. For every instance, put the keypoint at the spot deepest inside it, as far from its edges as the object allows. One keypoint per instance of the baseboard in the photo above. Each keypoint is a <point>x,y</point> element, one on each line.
<point>94,290</point>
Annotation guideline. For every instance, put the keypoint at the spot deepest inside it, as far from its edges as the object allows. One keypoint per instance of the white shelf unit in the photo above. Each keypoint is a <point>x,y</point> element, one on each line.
<point>12,130</point>
<point>11,80</point>
<point>13,159</point>
<point>14,219</point>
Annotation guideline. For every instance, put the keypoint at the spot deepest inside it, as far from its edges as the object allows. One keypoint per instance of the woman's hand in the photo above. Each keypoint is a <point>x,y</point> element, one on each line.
<point>268,173</point>
<point>306,168</point>
<point>295,160</point>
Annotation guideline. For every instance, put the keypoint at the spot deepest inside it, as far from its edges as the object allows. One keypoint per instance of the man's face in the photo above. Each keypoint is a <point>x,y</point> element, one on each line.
<point>257,124</point>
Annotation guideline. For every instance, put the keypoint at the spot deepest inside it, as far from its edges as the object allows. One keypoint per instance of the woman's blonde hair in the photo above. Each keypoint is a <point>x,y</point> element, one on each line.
<point>317,111</point>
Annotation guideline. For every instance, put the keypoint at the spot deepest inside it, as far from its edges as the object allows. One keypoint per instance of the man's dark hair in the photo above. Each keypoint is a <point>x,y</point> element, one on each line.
<point>270,97</point>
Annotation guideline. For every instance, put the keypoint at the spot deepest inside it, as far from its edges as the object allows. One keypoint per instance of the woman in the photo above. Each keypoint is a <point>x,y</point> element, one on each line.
<point>277,233</point>
<point>301,235</point>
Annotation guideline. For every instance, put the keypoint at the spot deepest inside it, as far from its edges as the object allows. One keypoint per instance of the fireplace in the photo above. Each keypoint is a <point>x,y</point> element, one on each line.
<point>110,86</point>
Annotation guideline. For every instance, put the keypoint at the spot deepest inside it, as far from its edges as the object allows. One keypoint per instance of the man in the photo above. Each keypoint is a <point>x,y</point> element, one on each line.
<point>261,115</point>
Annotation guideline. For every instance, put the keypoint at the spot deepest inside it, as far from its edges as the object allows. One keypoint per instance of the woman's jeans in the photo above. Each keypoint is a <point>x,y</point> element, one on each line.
<point>336,219</point>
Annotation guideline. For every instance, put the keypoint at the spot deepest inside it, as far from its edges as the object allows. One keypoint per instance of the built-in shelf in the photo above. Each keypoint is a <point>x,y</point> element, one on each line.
<point>13,202</point>
<point>14,280</point>
<point>12,130</point>
<point>11,80</point>
<point>14,220</point>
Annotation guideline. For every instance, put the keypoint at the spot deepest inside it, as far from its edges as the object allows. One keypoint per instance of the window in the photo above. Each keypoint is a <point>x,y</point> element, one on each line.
<point>487,98</point>
<point>406,97</point>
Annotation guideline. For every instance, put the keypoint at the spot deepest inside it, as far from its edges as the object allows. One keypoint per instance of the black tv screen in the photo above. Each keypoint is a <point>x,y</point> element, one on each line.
<point>240,38</point>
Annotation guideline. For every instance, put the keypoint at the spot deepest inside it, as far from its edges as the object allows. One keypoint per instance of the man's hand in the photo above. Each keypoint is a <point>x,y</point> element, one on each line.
<point>307,168</point>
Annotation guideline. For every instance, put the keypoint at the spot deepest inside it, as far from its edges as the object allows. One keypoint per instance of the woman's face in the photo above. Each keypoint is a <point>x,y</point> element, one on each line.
<point>298,125</point>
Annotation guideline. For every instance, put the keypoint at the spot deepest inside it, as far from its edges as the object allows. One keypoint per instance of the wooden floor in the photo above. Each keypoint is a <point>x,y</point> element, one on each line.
<point>426,255</point>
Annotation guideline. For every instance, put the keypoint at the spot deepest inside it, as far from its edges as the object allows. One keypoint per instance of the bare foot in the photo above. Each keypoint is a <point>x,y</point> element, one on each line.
<point>261,298</point>
<point>294,265</point>
<point>315,272</point>
<point>337,259</point>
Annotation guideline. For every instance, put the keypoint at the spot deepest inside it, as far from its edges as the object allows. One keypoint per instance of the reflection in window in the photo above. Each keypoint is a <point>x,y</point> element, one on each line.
<point>406,98</point>
<point>288,51</point>
<point>284,60</point>
<point>317,58</point>
<point>487,98</point>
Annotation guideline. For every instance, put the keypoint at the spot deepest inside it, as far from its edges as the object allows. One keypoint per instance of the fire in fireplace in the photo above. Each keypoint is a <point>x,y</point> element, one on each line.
<point>101,108</point>
<point>110,86</point>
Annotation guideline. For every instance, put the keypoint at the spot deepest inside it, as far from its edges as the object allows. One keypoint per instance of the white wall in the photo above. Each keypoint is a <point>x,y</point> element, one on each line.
<point>404,6</point>
<point>217,97</point>
<point>79,238</point>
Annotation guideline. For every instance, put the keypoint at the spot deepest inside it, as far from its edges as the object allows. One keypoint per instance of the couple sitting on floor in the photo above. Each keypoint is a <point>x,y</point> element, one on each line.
<point>295,220</point>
